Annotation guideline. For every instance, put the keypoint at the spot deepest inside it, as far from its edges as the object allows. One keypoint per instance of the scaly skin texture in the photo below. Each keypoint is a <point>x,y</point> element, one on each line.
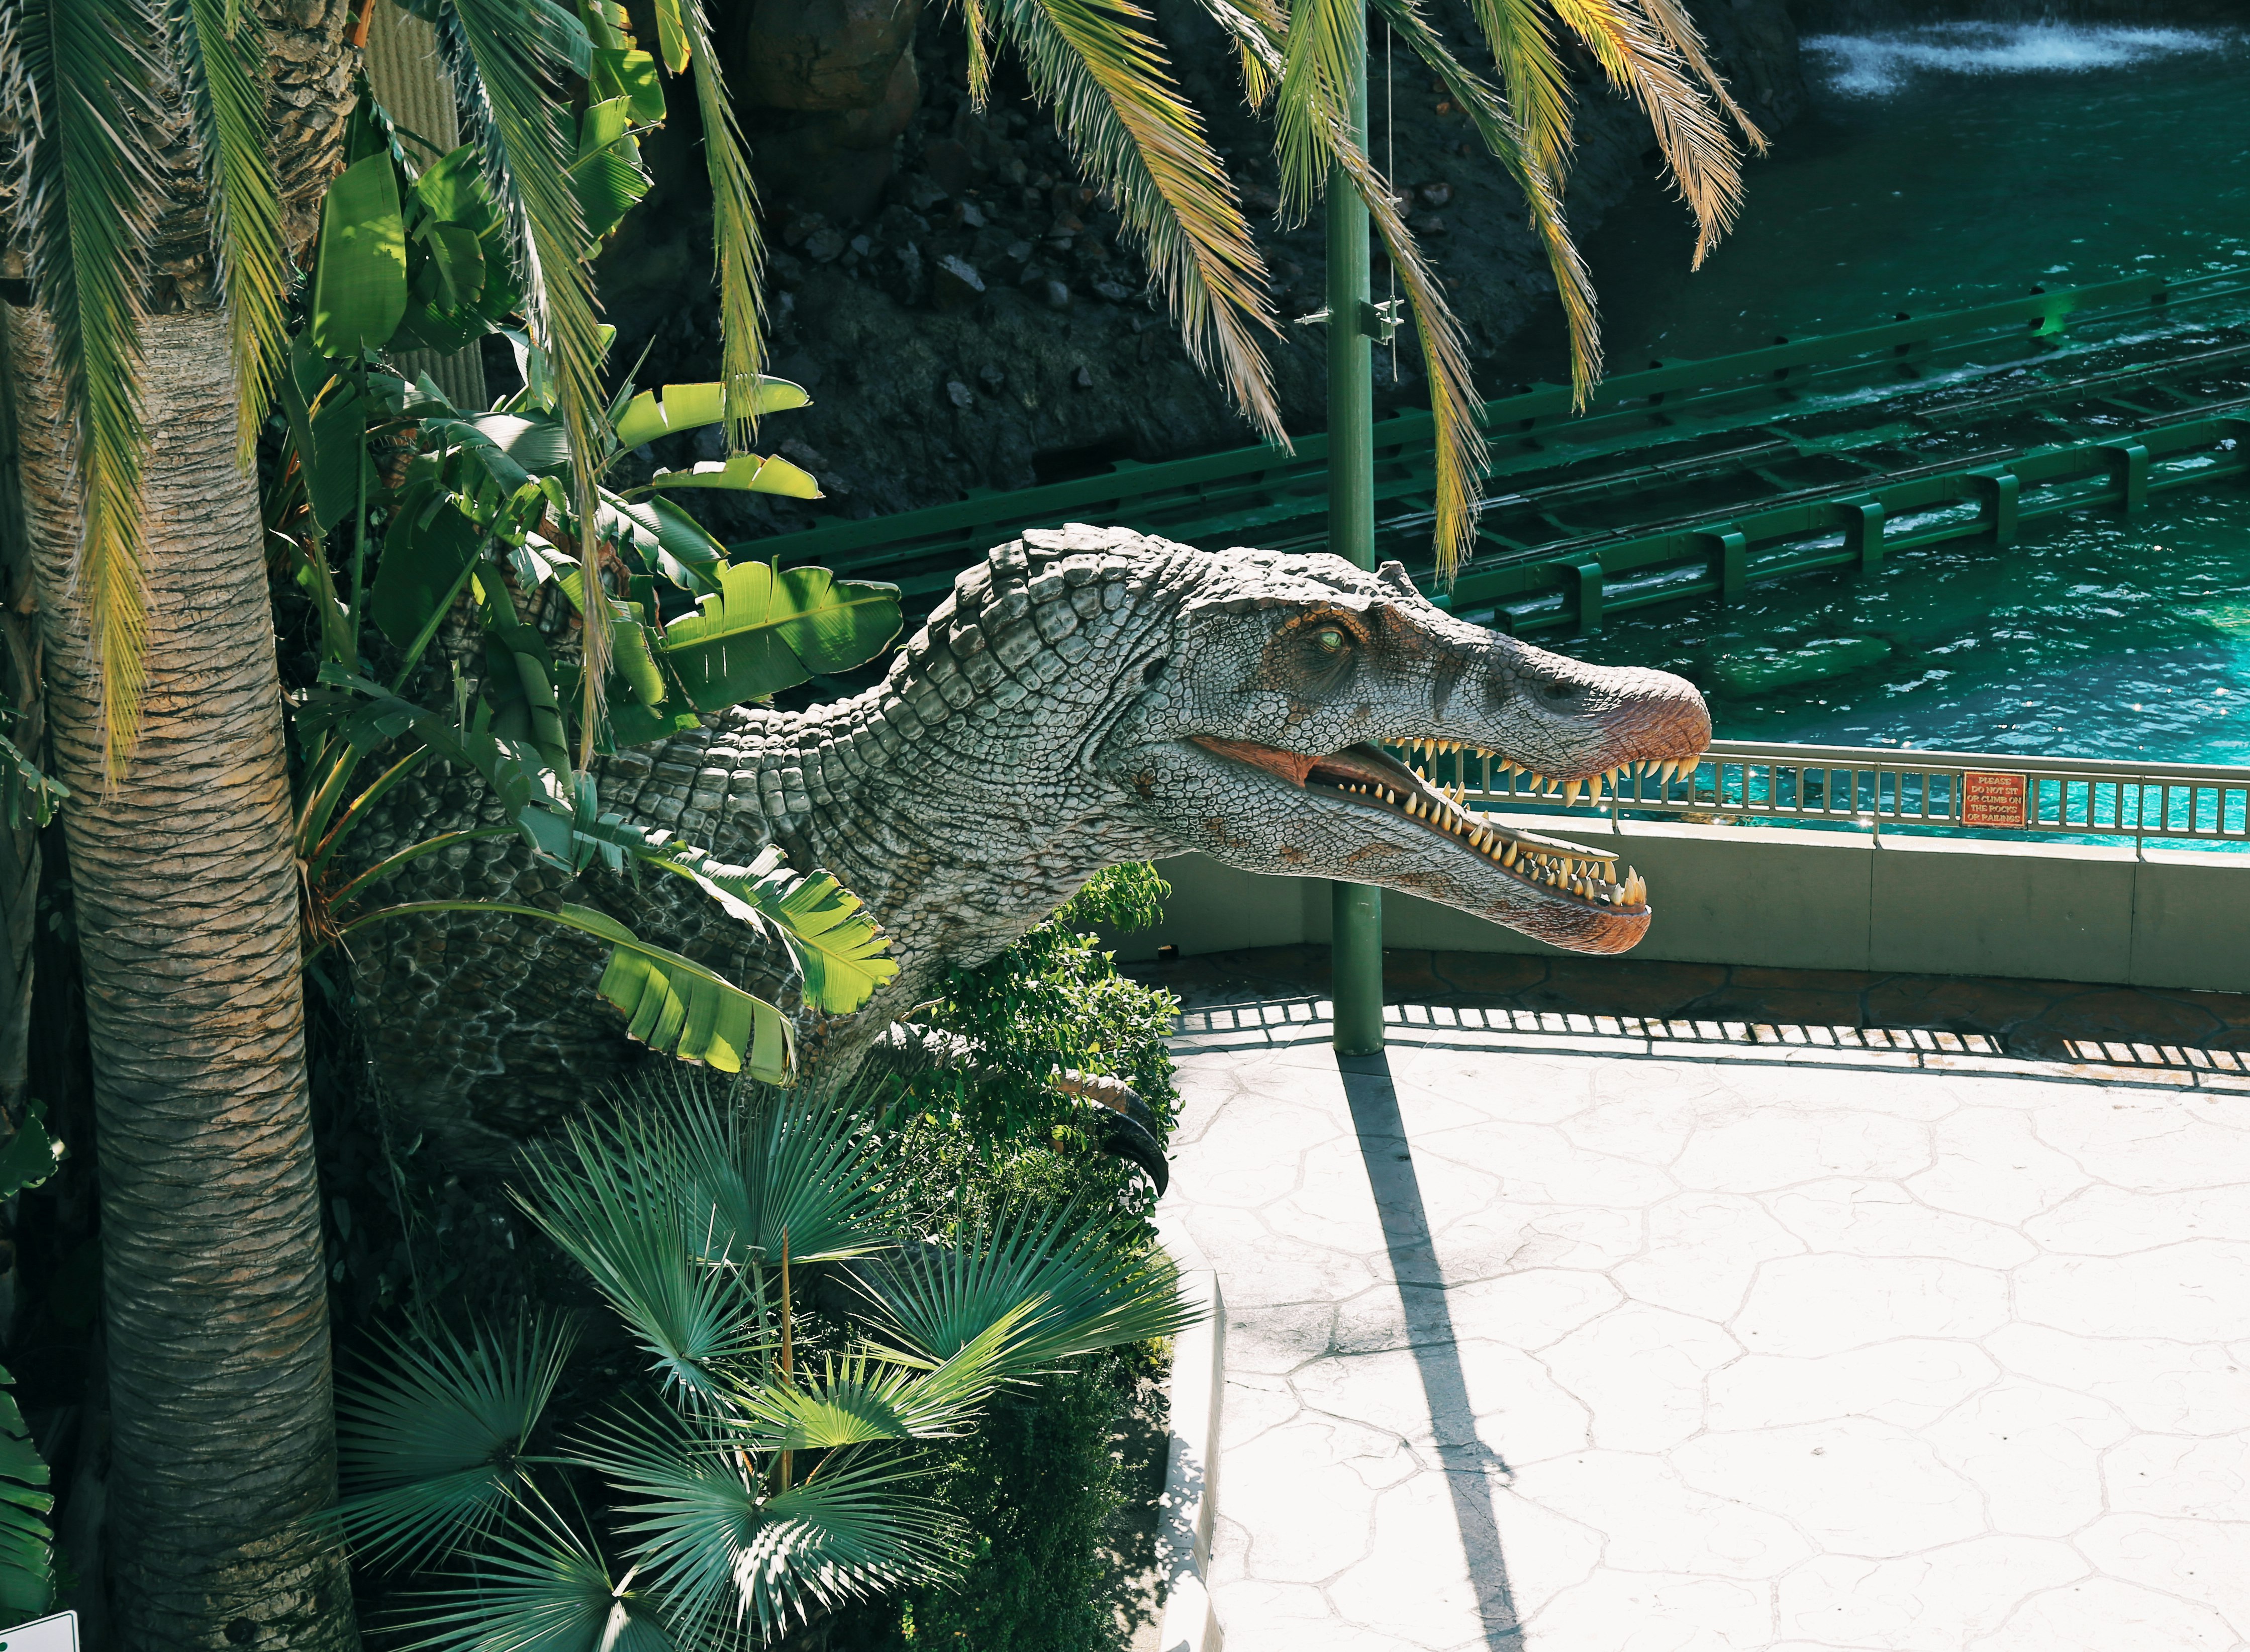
<point>1087,697</point>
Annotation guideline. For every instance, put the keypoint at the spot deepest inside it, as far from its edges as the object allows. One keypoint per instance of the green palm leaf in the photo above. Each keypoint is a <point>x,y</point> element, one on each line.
<point>1086,1288</point>
<point>536,1586</point>
<point>1137,137</point>
<point>734,239</point>
<point>617,1198</point>
<point>507,56</point>
<point>219,48</point>
<point>1314,144</point>
<point>83,194</point>
<point>432,1439</point>
<point>731,1564</point>
<point>760,1163</point>
<point>862,1400</point>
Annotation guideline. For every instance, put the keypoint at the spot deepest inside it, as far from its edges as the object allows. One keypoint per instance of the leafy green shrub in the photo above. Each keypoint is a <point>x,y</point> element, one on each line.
<point>1055,998</point>
<point>1038,1485</point>
<point>761,1468</point>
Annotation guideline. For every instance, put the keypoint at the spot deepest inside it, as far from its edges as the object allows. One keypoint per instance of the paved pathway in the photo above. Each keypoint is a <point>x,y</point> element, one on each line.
<point>1599,1344</point>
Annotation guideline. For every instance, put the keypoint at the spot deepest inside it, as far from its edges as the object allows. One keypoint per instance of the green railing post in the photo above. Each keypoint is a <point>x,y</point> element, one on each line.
<point>1356,945</point>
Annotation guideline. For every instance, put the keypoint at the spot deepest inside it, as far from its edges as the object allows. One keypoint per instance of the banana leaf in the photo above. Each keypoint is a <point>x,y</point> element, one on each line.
<point>673,1004</point>
<point>608,176</point>
<point>27,1567</point>
<point>461,277</point>
<point>359,284</point>
<point>744,474</point>
<point>841,952</point>
<point>669,541</point>
<point>670,35</point>
<point>30,1154</point>
<point>689,406</point>
<point>770,629</point>
<point>429,546</point>
<point>621,72</point>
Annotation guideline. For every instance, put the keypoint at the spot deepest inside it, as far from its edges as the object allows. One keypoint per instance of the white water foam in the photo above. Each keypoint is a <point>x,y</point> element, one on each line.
<point>1873,65</point>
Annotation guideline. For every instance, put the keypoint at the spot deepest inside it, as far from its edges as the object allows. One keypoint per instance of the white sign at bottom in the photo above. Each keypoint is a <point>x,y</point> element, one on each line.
<point>56,1634</point>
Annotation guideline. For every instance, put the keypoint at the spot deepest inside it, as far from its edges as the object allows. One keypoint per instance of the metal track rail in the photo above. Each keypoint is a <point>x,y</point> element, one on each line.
<point>1699,478</point>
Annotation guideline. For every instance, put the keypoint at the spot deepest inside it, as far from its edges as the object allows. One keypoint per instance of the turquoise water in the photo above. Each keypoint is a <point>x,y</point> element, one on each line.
<point>1953,165</point>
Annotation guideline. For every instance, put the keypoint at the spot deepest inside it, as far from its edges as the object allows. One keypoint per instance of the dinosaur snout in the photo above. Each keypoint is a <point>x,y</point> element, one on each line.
<point>1571,718</point>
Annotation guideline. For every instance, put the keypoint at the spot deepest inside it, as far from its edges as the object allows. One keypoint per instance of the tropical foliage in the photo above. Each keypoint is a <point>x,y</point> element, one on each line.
<point>766,1463</point>
<point>1106,78</point>
<point>1055,1003</point>
<point>485,503</point>
<point>554,97</point>
<point>27,1569</point>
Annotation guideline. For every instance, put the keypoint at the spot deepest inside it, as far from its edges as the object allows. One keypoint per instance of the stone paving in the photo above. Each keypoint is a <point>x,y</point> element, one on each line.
<point>1595,1340</point>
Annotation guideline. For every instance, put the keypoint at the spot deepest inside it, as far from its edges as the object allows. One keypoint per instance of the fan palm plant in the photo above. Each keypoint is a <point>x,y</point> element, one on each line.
<point>747,1489</point>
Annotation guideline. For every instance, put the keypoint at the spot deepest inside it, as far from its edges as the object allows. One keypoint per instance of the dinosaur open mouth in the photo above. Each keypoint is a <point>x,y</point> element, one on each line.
<point>1371,779</point>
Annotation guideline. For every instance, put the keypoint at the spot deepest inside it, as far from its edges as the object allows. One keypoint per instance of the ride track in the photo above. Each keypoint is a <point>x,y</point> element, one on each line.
<point>1694,478</point>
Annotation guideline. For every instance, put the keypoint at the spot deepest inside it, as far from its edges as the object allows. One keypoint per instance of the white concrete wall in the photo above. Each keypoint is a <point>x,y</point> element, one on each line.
<point>1815,900</point>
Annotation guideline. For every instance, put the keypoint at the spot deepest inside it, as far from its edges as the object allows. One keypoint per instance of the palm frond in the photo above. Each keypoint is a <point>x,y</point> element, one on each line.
<point>734,234</point>
<point>869,1396</point>
<point>507,57</point>
<point>536,1585</point>
<point>613,1197</point>
<point>977,24</point>
<point>730,1563</point>
<point>760,1164</point>
<point>1680,31</point>
<point>1638,59</point>
<point>1311,105</point>
<point>1254,27</point>
<point>1529,134</point>
<point>430,1438</point>
<point>1141,141</point>
<point>219,48</point>
<point>1314,144</point>
<point>84,191</point>
<point>1532,77</point>
<point>1086,1288</point>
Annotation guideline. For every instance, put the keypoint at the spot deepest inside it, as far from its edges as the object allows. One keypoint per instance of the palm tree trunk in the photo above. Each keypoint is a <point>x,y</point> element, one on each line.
<point>213,1273</point>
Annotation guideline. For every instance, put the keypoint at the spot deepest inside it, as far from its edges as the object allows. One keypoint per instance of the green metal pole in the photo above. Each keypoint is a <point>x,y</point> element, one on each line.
<point>1356,945</point>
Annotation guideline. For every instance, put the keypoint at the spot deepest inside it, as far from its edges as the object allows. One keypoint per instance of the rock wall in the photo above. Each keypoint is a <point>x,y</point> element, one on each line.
<point>972,321</point>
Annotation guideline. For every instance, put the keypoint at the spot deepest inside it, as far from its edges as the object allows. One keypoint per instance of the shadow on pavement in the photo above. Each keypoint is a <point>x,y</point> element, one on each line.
<point>1470,1465</point>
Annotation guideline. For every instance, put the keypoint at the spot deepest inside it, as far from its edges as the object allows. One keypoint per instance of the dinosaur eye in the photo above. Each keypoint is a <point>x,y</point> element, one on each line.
<point>1329,640</point>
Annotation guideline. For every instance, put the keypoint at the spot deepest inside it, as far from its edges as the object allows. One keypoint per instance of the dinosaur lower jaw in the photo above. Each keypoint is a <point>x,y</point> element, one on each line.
<point>1366,778</point>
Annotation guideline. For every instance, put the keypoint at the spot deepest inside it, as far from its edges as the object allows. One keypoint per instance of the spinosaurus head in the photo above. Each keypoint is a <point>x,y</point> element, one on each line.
<point>1256,730</point>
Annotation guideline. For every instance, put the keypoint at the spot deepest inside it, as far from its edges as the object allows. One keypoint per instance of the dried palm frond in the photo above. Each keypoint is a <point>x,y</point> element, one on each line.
<point>1640,60</point>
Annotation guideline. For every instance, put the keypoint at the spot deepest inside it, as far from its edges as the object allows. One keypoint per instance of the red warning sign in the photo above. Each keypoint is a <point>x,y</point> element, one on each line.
<point>1991,800</point>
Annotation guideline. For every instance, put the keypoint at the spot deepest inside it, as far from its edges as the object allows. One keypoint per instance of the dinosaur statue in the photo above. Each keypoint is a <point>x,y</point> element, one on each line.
<point>1085,697</point>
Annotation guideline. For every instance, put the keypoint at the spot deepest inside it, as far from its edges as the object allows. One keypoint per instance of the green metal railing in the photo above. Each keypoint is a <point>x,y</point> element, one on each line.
<point>1874,788</point>
<point>1699,478</point>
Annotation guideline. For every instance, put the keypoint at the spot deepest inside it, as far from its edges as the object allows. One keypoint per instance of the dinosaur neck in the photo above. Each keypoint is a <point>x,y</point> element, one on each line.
<point>960,798</point>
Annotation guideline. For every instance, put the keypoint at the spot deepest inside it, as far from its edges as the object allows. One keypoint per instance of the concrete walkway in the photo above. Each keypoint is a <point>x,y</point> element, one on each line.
<point>1590,1343</point>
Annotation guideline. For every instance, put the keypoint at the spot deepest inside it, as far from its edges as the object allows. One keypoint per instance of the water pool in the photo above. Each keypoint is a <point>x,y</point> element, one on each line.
<point>1952,164</point>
